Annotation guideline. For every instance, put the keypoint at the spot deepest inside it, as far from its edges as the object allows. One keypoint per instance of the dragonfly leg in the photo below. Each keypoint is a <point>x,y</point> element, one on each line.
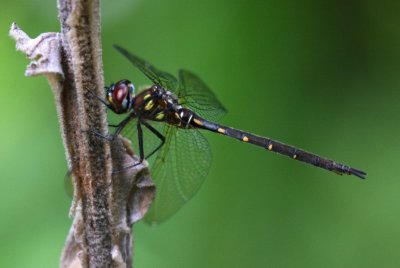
<point>158,134</point>
<point>100,99</point>
<point>140,140</point>
<point>101,135</point>
<point>119,127</point>
<point>140,143</point>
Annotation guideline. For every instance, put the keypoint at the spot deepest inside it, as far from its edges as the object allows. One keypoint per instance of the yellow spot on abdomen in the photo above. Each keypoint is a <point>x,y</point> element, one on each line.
<point>221,130</point>
<point>197,121</point>
<point>245,139</point>
<point>145,97</point>
<point>270,147</point>
<point>294,156</point>
<point>149,105</point>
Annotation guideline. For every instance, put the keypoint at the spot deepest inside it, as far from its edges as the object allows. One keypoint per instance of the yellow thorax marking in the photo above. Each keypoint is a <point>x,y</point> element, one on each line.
<point>160,116</point>
<point>245,139</point>
<point>149,105</point>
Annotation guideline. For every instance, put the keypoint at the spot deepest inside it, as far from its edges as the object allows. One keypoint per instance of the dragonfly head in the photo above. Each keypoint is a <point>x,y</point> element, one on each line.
<point>120,96</point>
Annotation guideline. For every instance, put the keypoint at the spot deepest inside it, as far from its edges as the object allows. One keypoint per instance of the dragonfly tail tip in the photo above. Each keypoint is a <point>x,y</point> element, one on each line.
<point>359,173</point>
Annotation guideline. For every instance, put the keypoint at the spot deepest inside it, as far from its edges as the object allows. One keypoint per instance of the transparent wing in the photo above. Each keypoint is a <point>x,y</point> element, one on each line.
<point>196,95</point>
<point>178,168</point>
<point>192,91</point>
<point>178,171</point>
<point>158,77</point>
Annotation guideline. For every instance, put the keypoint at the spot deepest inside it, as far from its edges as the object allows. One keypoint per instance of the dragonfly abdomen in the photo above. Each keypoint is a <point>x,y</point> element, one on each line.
<point>278,147</point>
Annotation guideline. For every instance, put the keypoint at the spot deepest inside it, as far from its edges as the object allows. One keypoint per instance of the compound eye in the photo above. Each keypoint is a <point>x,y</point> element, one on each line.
<point>120,92</point>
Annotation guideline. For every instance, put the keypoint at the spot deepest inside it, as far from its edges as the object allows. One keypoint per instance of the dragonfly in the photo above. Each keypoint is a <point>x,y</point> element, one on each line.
<point>167,118</point>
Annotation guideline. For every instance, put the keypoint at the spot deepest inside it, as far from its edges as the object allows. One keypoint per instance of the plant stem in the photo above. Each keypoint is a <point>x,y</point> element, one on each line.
<point>105,204</point>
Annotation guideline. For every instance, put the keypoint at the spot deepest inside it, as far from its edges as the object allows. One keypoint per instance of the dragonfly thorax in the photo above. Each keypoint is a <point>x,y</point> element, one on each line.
<point>158,104</point>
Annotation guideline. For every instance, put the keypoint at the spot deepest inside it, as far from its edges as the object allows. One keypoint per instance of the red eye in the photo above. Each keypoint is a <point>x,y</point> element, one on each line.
<point>120,92</point>
<point>120,96</point>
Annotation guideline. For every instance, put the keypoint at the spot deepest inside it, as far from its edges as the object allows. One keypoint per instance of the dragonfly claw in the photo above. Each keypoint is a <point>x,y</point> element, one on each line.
<point>103,136</point>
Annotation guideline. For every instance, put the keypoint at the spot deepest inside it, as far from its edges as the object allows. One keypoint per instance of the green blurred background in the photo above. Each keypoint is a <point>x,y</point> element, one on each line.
<point>321,75</point>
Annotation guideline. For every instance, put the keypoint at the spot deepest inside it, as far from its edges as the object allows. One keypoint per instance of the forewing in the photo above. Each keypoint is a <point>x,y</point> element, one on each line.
<point>178,171</point>
<point>158,77</point>
<point>197,96</point>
